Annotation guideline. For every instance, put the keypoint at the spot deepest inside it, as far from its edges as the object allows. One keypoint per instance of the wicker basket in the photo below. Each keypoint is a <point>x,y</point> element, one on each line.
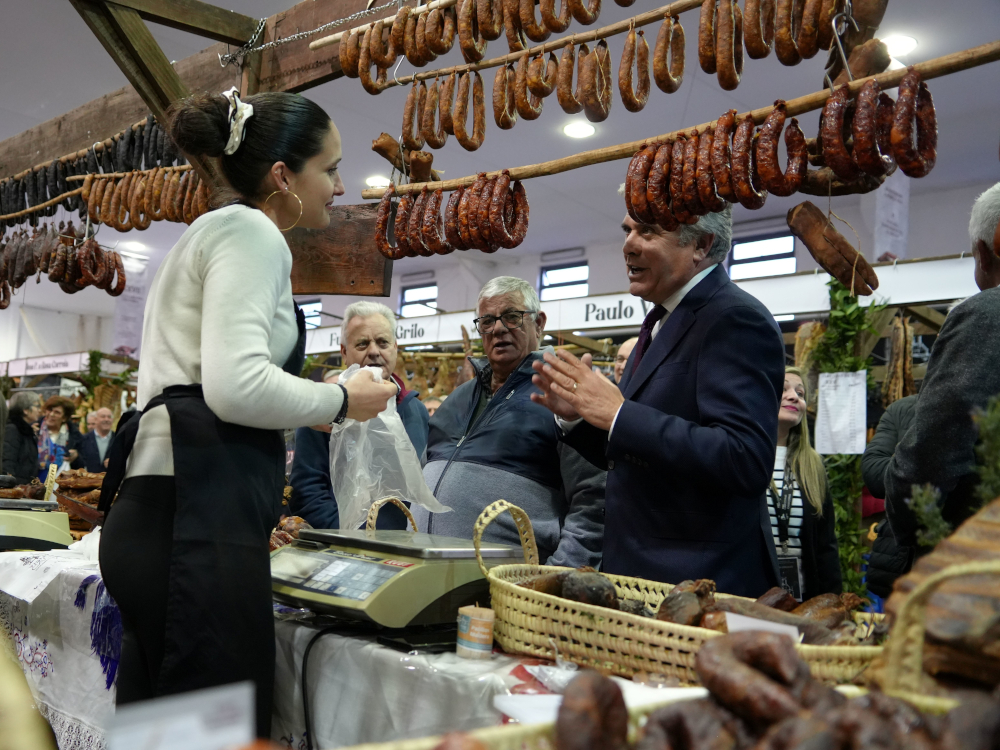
<point>901,668</point>
<point>533,623</point>
<point>510,736</point>
<point>378,505</point>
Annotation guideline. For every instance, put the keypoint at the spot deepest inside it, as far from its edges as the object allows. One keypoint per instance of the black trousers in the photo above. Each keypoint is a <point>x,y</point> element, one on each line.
<point>136,543</point>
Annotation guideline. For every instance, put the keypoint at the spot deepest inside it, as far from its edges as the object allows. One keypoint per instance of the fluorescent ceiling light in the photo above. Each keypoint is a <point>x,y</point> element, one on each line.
<point>377,181</point>
<point>784,318</point>
<point>899,45</point>
<point>579,129</point>
<point>895,64</point>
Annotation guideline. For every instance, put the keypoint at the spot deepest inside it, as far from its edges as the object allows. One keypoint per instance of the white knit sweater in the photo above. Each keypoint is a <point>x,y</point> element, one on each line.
<point>220,313</point>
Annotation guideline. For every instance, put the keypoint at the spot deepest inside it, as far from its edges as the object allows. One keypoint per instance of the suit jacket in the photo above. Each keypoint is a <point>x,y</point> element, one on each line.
<point>90,456</point>
<point>691,452</point>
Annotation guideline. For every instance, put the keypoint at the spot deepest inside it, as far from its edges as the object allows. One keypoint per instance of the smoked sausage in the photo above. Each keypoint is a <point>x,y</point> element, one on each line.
<point>706,36</point>
<point>722,157</point>
<point>689,177</point>
<point>451,233</point>
<point>432,225</point>
<point>707,192</point>
<point>382,225</point>
<point>596,79</point>
<point>771,176</point>
<point>729,44</point>
<point>914,101</point>
<point>350,53</point>
<point>746,181</point>
<point>489,13</point>
<point>504,107</point>
<point>571,103</point>
<point>636,49</point>
<point>472,44</point>
<point>759,31</point>
<point>542,76</point>
<point>585,14</point>
<point>528,105</point>
<point>677,204</point>
<point>658,188</point>
<point>835,125</point>
<point>400,226</point>
<point>865,128</point>
<point>440,33</point>
<point>470,143</point>
<point>555,23</point>
<point>364,67</point>
<point>787,24</point>
<point>413,115</point>
<point>642,162</point>
<point>669,39</point>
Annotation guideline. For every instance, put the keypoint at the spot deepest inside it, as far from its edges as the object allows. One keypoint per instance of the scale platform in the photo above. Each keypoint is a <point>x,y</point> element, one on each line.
<point>392,578</point>
<point>33,525</point>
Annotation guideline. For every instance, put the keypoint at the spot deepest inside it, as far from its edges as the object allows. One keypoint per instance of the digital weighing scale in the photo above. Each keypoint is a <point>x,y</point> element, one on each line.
<point>395,579</point>
<point>33,524</point>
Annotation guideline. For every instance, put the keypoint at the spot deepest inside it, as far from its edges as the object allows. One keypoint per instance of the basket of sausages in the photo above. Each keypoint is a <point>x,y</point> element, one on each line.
<point>629,625</point>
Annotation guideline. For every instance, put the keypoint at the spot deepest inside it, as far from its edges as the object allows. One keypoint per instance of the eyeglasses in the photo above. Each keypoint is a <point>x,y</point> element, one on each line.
<point>511,319</point>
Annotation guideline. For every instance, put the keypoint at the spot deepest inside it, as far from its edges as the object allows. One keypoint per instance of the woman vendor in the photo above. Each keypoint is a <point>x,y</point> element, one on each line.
<point>184,550</point>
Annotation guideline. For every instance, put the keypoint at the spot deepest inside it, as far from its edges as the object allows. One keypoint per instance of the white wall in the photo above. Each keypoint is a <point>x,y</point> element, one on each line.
<point>938,226</point>
<point>31,332</point>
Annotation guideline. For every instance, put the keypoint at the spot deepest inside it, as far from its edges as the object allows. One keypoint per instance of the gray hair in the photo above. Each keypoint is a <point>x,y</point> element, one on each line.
<point>502,286</point>
<point>720,224</point>
<point>21,401</point>
<point>365,309</point>
<point>985,216</point>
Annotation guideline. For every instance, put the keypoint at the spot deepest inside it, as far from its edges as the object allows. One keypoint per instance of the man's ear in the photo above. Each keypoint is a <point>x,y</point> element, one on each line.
<point>703,247</point>
<point>540,320</point>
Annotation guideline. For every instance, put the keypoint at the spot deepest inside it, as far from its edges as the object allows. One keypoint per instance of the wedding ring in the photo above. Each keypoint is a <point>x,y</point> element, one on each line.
<point>575,385</point>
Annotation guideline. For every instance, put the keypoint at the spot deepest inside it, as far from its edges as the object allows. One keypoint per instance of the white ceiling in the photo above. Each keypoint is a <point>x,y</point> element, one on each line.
<point>52,63</point>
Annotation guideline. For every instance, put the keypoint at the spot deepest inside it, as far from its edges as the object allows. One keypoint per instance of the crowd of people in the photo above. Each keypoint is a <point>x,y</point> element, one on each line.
<point>41,434</point>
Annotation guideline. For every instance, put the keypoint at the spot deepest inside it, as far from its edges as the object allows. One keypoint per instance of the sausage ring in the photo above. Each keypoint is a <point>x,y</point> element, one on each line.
<point>689,177</point>
<point>638,184</point>
<point>433,137</point>
<point>746,181</point>
<point>451,233</point>
<point>914,100</point>
<point>413,114</point>
<point>469,212</point>
<point>706,36</point>
<point>554,23</point>
<point>721,156</point>
<point>771,176</point>
<point>137,207</point>
<point>399,227</point>
<point>542,76</point>
<point>669,39</point>
<point>473,45</point>
<point>759,36</point>
<point>109,193</point>
<point>415,225</point>
<point>424,52</point>
<point>584,15</point>
<point>382,225</point>
<point>440,30</point>
<point>528,105</point>
<point>432,225</point>
<point>787,25</point>
<point>504,107</point>
<point>478,111</point>
<point>501,196</point>
<point>707,193</point>
<point>834,129</point>
<point>597,83</point>
<point>120,271</point>
<point>807,42</point>
<point>364,67</point>
<point>865,127</point>
<point>677,203</point>
<point>490,16</point>
<point>729,44</point>
<point>350,53</point>
<point>571,103</point>
<point>385,56</point>
<point>635,48</point>
<point>516,39</point>
<point>658,188</point>
<point>489,244</point>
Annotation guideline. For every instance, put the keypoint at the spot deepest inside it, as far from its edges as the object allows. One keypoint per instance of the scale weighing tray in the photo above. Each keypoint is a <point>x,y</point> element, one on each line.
<point>392,578</point>
<point>33,525</point>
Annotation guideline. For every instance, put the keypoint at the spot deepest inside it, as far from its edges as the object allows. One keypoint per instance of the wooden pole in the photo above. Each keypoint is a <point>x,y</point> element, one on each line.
<point>118,175</point>
<point>644,19</point>
<point>939,66</point>
<point>326,41</point>
<point>42,206</point>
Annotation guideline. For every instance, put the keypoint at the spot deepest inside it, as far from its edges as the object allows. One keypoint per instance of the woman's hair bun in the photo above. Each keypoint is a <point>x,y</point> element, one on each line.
<point>199,125</point>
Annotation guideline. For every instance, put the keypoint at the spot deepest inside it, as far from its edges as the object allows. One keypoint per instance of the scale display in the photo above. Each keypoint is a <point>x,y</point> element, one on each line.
<point>346,576</point>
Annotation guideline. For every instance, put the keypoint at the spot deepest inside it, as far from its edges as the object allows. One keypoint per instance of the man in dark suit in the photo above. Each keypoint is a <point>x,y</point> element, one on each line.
<point>689,439</point>
<point>95,444</point>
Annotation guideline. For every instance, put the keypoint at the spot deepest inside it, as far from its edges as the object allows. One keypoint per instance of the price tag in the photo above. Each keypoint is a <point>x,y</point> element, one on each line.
<point>737,623</point>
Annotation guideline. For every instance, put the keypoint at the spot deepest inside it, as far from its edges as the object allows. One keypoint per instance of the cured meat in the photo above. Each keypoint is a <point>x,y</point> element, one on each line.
<point>451,233</point>
<point>472,44</point>
<point>831,249</point>
<point>596,78</point>
<point>729,44</point>
<point>669,39</point>
<point>445,103</point>
<point>556,23</point>
<point>504,106</point>
<point>415,224</point>
<point>400,227</point>
<point>413,115</point>
<point>636,49</point>
<point>707,193</point>
<point>440,32</point>
<point>835,127</point>
<point>592,715</point>
<point>470,143</point>
<point>869,128</point>
<point>706,36</point>
<point>639,172</point>
<point>787,25</point>
<point>433,137</point>
<point>658,190</point>
<point>431,229</point>
<point>585,14</point>
<point>542,76</point>
<point>746,180</point>
<point>759,31</point>
<point>721,156</point>
<point>376,86</point>
<point>571,102</point>
<point>489,13</point>
<point>914,146</point>
<point>382,225</point>
<point>771,175</point>
<point>350,53</point>
<point>528,105</point>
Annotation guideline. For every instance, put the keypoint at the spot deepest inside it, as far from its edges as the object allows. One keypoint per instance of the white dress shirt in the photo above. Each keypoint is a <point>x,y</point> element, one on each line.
<point>670,303</point>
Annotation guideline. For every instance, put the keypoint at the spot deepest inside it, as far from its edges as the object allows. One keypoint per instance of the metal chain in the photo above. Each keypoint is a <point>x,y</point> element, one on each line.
<point>240,55</point>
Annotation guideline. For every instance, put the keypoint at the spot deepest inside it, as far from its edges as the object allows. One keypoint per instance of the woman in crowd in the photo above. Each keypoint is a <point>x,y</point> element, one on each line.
<point>20,444</point>
<point>58,440</point>
<point>184,550</point>
<point>799,504</point>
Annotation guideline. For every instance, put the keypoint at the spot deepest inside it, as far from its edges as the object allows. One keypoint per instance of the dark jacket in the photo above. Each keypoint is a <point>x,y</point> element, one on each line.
<point>692,450</point>
<point>887,560</point>
<point>90,456</point>
<point>512,451</point>
<point>20,450</point>
<point>939,448</point>
<point>820,553</point>
<point>312,489</point>
<point>74,442</point>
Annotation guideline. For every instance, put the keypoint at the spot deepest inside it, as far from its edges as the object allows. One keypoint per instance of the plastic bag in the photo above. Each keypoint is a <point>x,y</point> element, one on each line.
<point>375,459</point>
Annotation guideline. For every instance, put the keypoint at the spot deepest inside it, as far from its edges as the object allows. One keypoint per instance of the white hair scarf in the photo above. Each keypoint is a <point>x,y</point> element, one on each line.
<point>239,113</point>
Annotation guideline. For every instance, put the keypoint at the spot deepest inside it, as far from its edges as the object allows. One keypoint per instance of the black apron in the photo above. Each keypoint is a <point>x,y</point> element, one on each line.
<point>230,480</point>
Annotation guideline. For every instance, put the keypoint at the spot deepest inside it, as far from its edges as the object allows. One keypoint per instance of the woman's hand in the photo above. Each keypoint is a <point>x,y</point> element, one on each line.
<point>366,398</point>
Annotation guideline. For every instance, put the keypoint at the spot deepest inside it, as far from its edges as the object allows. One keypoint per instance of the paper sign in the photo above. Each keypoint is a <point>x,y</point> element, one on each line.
<point>212,719</point>
<point>892,216</point>
<point>840,418</point>
<point>738,623</point>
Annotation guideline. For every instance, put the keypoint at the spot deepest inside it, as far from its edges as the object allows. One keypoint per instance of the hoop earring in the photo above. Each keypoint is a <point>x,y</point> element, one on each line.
<point>295,223</point>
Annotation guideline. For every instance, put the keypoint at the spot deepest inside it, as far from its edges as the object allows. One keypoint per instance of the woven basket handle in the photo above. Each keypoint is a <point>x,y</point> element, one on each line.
<point>377,506</point>
<point>905,648</point>
<point>489,515</point>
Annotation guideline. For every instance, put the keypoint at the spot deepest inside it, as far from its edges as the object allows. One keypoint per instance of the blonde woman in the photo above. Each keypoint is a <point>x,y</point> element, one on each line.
<point>799,504</point>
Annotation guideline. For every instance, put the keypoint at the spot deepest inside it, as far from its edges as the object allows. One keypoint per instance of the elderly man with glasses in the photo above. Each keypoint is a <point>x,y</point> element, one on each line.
<point>489,441</point>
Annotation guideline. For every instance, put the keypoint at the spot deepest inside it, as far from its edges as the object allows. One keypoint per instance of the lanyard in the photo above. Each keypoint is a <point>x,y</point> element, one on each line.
<point>783,504</point>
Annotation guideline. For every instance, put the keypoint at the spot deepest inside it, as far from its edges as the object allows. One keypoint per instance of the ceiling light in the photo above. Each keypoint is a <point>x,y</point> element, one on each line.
<point>895,64</point>
<point>784,318</point>
<point>900,45</point>
<point>377,181</point>
<point>579,129</point>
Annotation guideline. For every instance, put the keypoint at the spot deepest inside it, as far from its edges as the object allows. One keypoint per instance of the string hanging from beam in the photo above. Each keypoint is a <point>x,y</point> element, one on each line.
<point>936,68</point>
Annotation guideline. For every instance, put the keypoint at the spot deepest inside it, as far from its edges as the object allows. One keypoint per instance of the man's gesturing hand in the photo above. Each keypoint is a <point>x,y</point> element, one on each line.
<point>593,397</point>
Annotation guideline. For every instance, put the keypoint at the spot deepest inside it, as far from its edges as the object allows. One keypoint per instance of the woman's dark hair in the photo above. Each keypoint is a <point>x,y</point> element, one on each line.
<point>284,127</point>
<point>63,403</point>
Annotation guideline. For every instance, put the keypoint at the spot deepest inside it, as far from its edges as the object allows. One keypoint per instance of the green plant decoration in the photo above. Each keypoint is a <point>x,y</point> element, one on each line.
<point>988,450</point>
<point>925,502</point>
<point>846,347</point>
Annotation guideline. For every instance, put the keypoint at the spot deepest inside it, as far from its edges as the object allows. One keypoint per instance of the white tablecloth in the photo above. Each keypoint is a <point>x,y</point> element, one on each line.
<point>62,629</point>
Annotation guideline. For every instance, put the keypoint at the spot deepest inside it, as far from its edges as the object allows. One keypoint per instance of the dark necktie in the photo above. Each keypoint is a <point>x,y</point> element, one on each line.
<point>646,333</point>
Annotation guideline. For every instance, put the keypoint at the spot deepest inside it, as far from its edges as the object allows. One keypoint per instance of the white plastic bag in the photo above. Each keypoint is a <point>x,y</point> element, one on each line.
<point>375,459</point>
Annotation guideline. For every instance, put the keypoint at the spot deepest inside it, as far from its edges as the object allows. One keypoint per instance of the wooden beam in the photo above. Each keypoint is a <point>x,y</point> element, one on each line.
<point>584,342</point>
<point>196,17</point>
<point>926,315</point>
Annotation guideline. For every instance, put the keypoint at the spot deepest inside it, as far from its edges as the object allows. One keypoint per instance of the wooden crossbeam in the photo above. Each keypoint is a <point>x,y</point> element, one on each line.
<point>195,17</point>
